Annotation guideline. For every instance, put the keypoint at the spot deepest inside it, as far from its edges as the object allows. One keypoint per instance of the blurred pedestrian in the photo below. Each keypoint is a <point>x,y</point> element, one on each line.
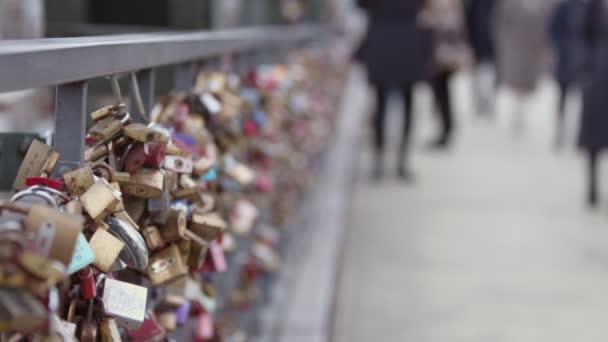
<point>445,19</point>
<point>479,14</point>
<point>593,135</point>
<point>396,52</point>
<point>520,31</point>
<point>566,37</point>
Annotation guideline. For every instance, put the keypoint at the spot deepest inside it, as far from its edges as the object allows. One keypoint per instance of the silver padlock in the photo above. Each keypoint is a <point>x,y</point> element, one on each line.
<point>134,253</point>
<point>125,302</point>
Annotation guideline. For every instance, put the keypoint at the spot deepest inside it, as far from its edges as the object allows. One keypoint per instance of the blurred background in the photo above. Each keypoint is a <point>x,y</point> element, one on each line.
<point>464,202</point>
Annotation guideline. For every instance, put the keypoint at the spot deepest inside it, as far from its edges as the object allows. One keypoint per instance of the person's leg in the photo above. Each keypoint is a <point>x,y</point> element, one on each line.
<point>407,93</point>
<point>441,89</point>
<point>592,181</point>
<point>561,115</point>
<point>378,127</point>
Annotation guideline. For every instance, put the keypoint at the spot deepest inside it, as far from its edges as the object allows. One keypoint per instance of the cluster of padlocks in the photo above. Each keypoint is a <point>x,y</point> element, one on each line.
<point>133,245</point>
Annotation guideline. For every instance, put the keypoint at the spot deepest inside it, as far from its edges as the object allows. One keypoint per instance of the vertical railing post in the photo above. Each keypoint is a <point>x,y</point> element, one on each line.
<point>146,80</point>
<point>70,125</point>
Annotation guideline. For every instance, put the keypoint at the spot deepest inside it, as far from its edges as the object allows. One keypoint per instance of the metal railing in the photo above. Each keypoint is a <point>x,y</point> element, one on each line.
<point>68,63</point>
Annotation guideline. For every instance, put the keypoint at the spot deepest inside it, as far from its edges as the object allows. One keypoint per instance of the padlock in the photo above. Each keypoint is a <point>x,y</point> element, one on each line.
<point>197,256</point>
<point>121,177</point>
<point>173,150</point>
<point>135,158</point>
<point>142,133</point>
<point>82,257</point>
<point>174,294</point>
<point>175,227</point>
<point>106,248</point>
<point>125,302</point>
<point>183,313</point>
<point>186,193</point>
<point>73,207</point>
<point>135,252</point>
<point>155,155</point>
<point>78,181</point>
<point>218,259</point>
<point>153,238</point>
<point>100,200</point>
<point>107,110</point>
<point>107,128</point>
<point>87,331</point>
<point>145,183</point>
<point>150,330</point>
<point>241,173</point>
<point>39,159</point>
<point>65,232</point>
<point>21,311</point>
<point>108,330</point>
<point>185,182</point>
<point>178,164</point>
<point>207,226</point>
<point>45,272</point>
<point>166,266</point>
<point>86,279</point>
<point>172,180</point>
<point>243,217</point>
<point>135,207</point>
<point>205,204</point>
<point>185,247</point>
<point>43,181</point>
<point>201,166</point>
<point>167,319</point>
<point>159,207</point>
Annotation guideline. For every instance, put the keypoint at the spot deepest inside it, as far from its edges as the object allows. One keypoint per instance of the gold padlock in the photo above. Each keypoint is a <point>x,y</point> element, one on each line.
<point>185,182</point>
<point>62,235</point>
<point>207,226</point>
<point>78,181</point>
<point>107,128</point>
<point>145,183</point>
<point>73,207</point>
<point>185,247</point>
<point>175,227</point>
<point>39,159</point>
<point>106,249</point>
<point>166,265</point>
<point>108,330</point>
<point>167,319</point>
<point>106,111</point>
<point>185,193</point>
<point>153,239</point>
<point>120,212</point>
<point>100,200</point>
<point>201,166</point>
<point>135,207</point>
<point>142,133</point>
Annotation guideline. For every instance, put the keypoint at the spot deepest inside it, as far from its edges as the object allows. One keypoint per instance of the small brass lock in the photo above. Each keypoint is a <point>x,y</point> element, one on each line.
<point>100,200</point>
<point>166,265</point>
<point>142,133</point>
<point>145,183</point>
<point>39,159</point>
<point>107,128</point>
<point>78,181</point>
<point>106,249</point>
<point>207,226</point>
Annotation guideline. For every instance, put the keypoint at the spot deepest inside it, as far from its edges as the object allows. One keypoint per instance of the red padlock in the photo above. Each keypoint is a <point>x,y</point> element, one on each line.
<point>263,183</point>
<point>135,158</point>
<point>87,283</point>
<point>150,330</point>
<point>250,129</point>
<point>48,182</point>
<point>156,155</point>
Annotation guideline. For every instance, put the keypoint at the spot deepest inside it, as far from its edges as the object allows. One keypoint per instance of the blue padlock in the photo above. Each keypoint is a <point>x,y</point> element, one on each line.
<point>82,257</point>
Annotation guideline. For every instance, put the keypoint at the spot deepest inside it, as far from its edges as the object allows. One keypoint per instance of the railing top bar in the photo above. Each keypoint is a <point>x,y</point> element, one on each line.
<point>45,62</point>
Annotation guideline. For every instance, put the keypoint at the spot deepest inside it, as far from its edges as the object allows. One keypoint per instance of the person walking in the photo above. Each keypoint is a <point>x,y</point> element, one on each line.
<point>479,14</point>
<point>396,52</point>
<point>520,33</point>
<point>593,134</point>
<point>445,19</point>
<point>566,37</point>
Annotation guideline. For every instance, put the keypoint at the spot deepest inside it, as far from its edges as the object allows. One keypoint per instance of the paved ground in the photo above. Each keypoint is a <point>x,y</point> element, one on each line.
<point>492,242</point>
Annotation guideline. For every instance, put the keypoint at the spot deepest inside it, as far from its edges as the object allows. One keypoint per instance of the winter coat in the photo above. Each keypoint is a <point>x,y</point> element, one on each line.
<point>445,19</point>
<point>594,120</point>
<point>520,33</point>
<point>396,49</point>
<point>566,29</point>
<point>479,14</point>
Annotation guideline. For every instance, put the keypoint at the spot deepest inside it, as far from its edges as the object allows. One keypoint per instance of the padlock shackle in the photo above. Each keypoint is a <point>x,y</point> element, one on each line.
<point>106,167</point>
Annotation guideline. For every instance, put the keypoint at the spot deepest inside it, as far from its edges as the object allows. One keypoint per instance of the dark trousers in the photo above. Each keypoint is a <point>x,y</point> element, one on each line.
<point>593,155</point>
<point>379,118</point>
<point>441,88</point>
